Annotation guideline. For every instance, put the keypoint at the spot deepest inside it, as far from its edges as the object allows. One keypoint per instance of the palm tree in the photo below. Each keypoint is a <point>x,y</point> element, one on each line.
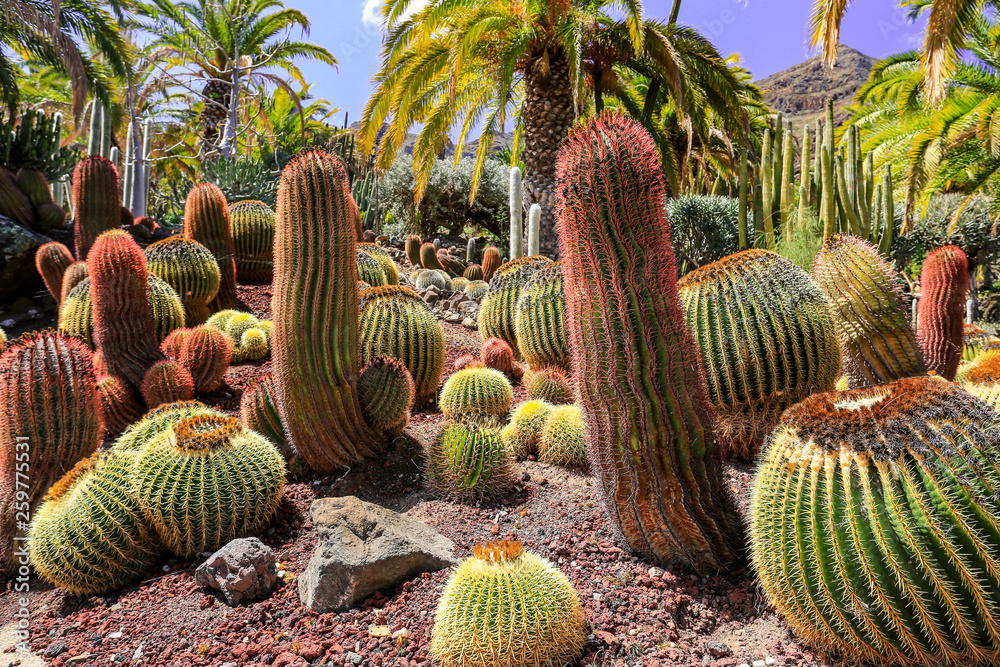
<point>225,44</point>
<point>534,64</point>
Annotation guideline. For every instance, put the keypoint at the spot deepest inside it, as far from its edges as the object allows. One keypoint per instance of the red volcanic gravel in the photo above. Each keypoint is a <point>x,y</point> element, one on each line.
<point>640,614</point>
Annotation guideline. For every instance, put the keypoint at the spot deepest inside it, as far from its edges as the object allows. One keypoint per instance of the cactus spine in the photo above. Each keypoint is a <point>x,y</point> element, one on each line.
<point>386,393</point>
<point>491,262</point>
<point>51,261</point>
<point>253,240</point>
<point>659,444</point>
<point>540,319</point>
<point>476,394</point>
<point>206,220</point>
<point>516,213</point>
<point>95,200</point>
<point>944,281</point>
<point>469,462</point>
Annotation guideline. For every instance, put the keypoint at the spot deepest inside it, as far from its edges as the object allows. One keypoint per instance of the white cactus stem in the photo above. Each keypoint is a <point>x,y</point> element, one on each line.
<point>534,224</point>
<point>516,212</point>
<point>470,250</point>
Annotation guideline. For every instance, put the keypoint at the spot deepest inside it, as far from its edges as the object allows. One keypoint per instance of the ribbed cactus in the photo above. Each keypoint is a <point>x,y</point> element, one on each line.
<point>498,309</point>
<point>121,405</point>
<point>974,338</point>
<point>429,258</point>
<point>459,284</point>
<point>189,268</point>
<point>166,308</point>
<point>253,345</point>
<point>412,247</point>
<point>370,271</point>
<point>96,201</point>
<point>623,313</point>
<point>540,319</point>
<point>767,338</point>
<point>259,412</point>
<point>220,319</point>
<point>431,279</point>
<point>477,289</point>
<point>534,229</point>
<point>473,272</point>
<point>252,226</point>
<point>477,394</point>
<point>167,381</point>
<point>123,321</point>
<point>506,607</point>
<point>386,393</point>
<point>562,441</point>
<point>206,352</point>
<point>496,354</point>
<point>385,261</point>
<point>49,419</point>
<point>206,220</point>
<point>75,274</point>
<point>246,335</point>
<point>171,345</point>
<point>491,262</point>
<point>875,529</point>
<point>516,213</point>
<point>51,261</point>
<point>90,536</point>
<point>944,281</point>
<point>469,462</point>
<point>396,323</point>
<point>192,483</point>
<point>549,384</point>
<point>156,422</point>
<point>525,428</point>
<point>315,291</point>
<point>869,313</point>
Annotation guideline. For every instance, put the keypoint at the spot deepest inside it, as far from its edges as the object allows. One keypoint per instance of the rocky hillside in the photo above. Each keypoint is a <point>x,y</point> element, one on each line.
<point>801,91</point>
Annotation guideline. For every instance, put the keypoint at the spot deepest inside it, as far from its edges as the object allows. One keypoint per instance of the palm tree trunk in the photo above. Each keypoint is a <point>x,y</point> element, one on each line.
<point>547,114</point>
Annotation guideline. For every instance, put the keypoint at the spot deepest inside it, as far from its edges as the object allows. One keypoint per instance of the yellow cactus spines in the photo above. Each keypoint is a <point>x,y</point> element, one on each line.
<point>221,318</point>
<point>974,339</point>
<point>253,345</point>
<point>396,323</point>
<point>525,427</point>
<point>265,326</point>
<point>875,526</point>
<point>236,325</point>
<point>540,320</point>
<point>252,224</point>
<point>385,391</point>
<point>982,379</point>
<point>563,438</point>
<point>459,284</point>
<point>156,422</point>
<point>477,289</point>
<point>259,412</point>
<point>549,384</point>
<point>385,261</point>
<point>370,270</point>
<point>431,279</point>
<point>89,536</point>
<point>469,462</point>
<point>76,313</point>
<point>767,339</point>
<point>166,307</point>
<point>507,607</point>
<point>191,269</point>
<point>496,314</point>
<point>207,481</point>
<point>239,324</point>
<point>475,394</point>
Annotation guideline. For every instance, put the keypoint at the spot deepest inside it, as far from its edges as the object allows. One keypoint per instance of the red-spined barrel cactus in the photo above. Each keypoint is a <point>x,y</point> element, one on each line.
<point>96,201</point>
<point>121,406</point>
<point>473,272</point>
<point>491,262</point>
<point>496,353</point>
<point>315,315</point>
<point>123,322</point>
<point>944,280</point>
<point>74,274</point>
<point>639,375</point>
<point>206,220</point>
<point>167,382</point>
<point>429,258</point>
<point>49,419</point>
<point>412,246</point>
<point>206,352</point>
<point>52,260</point>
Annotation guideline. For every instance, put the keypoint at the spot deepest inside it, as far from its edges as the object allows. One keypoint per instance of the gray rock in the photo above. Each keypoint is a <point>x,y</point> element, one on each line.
<point>430,298</point>
<point>56,649</point>
<point>353,658</point>
<point>453,317</point>
<point>243,570</point>
<point>18,276</point>
<point>718,649</point>
<point>469,323</point>
<point>363,548</point>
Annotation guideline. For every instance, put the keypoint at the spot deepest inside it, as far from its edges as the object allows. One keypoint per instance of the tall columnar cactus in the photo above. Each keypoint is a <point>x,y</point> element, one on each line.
<point>540,319</point>
<point>49,419</point>
<point>870,316</point>
<point>875,528</point>
<point>206,220</point>
<point>189,268</point>
<point>944,281</point>
<point>259,412</point>
<point>51,261</point>
<point>206,353</point>
<point>96,201</point>
<point>476,394</point>
<point>386,393</point>
<point>767,338</point>
<point>470,250</point>
<point>429,258</point>
<point>385,261</point>
<point>412,246</point>
<point>123,322</point>
<point>396,323</point>
<point>632,350</point>
<point>469,462</point>
<point>316,291</point>
<point>191,483</point>
<point>498,310</point>
<point>491,262</point>
<point>534,229</point>
<point>90,536</point>
<point>253,240</point>
<point>516,213</point>
<point>507,607</point>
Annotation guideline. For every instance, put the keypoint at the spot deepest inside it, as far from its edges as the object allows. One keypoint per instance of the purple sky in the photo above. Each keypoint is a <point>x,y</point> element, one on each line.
<point>769,35</point>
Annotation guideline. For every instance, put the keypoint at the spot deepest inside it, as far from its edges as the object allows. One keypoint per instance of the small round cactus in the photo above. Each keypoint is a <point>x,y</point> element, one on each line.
<point>252,224</point>
<point>469,462</point>
<point>253,345</point>
<point>459,284</point>
<point>477,289</point>
<point>525,427</point>
<point>385,391</point>
<point>89,536</point>
<point>430,279</point>
<point>385,261</point>
<point>562,441</point>
<point>464,360</point>
<point>476,393</point>
<point>190,269</point>
<point>206,352</point>
<point>221,318</point>
<point>473,273</point>
<point>551,385</point>
<point>259,412</point>
<point>192,483</point>
<point>496,354</point>
<point>171,345</point>
<point>120,407</point>
<point>167,382</point>
<point>370,270</point>
<point>507,607</point>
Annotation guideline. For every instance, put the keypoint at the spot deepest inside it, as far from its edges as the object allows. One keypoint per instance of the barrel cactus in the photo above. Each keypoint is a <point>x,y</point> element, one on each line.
<point>121,405</point>
<point>879,345</point>
<point>944,281</point>
<point>51,261</point>
<point>459,284</point>
<point>496,354</point>
<point>370,270</point>
<point>96,201</point>
<point>252,225</point>
<point>385,261</point>
<point>206,353</point>
<point>190,269</point>
<point>166,308</point>
<point>253,345</point>
<point>658,441</point>
<point>526,421</point>
<point>473,272</point>
<point>157,421</point>
<point>562,440</point>
<point>206,220</point>
<point>476,394</point>
<point>396,323</point>
<point>171,345</point>
<point>428,257</point>
<point>884,548</point>
<point>75,274</point>
<point>386,392</point>
<point>167,382</point>
<point>469,462</point>
<point>507,607</point>
<point>550,385</point>
<point>477,289</point>
<point>497,312</point>
<point>767,337</point>
<point>540,319</point>
<point>259,412</point>
<point>191,483</point>
<point>491,262</point>
<point>412,247</point>
<point>431,279</point>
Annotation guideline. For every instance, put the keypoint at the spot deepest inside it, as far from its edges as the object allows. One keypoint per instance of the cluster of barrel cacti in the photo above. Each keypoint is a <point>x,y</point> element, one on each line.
<point>249,337</point>
<point>555,433</point>
<point>497,312</point>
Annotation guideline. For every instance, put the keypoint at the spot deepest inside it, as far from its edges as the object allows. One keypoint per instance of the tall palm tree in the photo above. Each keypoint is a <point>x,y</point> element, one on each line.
<point>533,64</point>
<point>221,45</point>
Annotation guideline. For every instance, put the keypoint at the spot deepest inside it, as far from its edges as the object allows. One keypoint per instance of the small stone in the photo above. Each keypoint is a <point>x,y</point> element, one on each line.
<point>469,323</point>
<point>137,655</point>
<point>769,661</point>
<point>353,658</point>
<point>453,318</point>
<point>655,572</point>
<point>55,649</point>
<point>115,635</point>
<point>243,570</point>
<point>759,663</point>
<point>525,477</point>
<point>718,649</point>
<point>598,597</point>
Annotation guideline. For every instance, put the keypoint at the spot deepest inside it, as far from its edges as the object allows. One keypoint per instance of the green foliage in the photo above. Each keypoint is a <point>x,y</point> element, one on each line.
<point>242,179</point>
<point>469,462</point>
<point>705,229</point>
<point>949,220</point>
<point>803,247</point>
<point>33,142</point>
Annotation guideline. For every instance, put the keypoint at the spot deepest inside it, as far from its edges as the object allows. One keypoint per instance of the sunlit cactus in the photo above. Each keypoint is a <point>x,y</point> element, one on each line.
<point>191,482</point>
<point>370,270</point>
<point>974,340</point>
<point>658,441</point>
<point>540,319</point>
<point>121,405</point>
<point>944,281</point>
<point>767,338</point>
<point>459,284</point>
<point>477,289</point>
<point>562,440</point>
<point>473,272</point>
<point>252,225</point>
<point>396,323</point>
<point>220,319</point>
<point>386,393</point>
<point>51,261</point>
<point>491,262</point>
<point>431,279</point>
<point>3,341</point>
<point>875,529</point>
<point>259,412</point>
<point>871,318</point>
<point>253,345</point>
<point>506,607</point>
<point>171,345</point>
<point>525,428</point>
<point>75,274</point>
<point>549,384</point>
<point>167,381</point>
<point>156,422</point>
<point>206,352</point>
<point>385,261</point>
<point>206,220</point>
<point>476,394</point>
<point>190,269</point>
<point>496,354</point>
<point>469,462</point>
<point>428,257</point>
<point>166,308</point>
<point>96,201</point>
<point>497,312</point>
<point>412,248</point>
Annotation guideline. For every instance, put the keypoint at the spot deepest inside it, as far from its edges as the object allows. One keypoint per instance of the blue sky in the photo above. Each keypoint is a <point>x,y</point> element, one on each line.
<point>769,35</point>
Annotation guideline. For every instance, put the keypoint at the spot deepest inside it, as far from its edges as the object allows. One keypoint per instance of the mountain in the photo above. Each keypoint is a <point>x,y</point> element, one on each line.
<point>800,91</point>
<point>503,139</point>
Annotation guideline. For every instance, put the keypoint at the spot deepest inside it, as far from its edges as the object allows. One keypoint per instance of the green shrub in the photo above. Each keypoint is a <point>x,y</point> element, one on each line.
<point>706,228</point>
